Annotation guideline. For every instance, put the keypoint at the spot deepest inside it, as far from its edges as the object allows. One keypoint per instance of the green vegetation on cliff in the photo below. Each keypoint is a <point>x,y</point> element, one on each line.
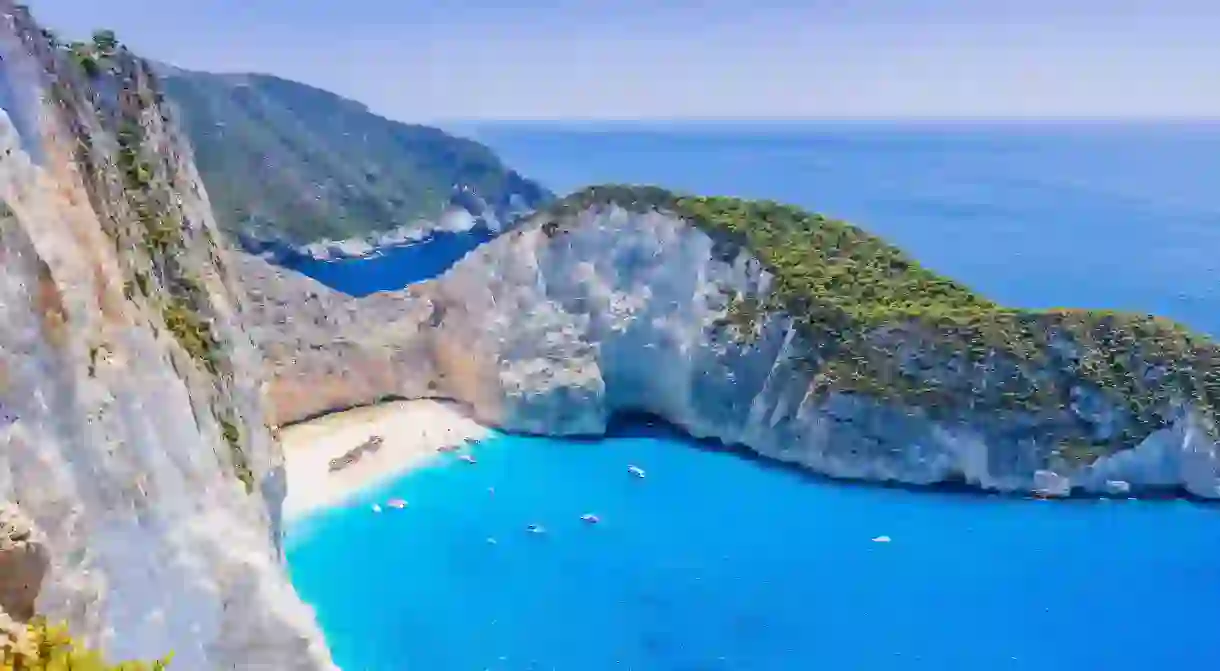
<point>51,648</point>
<point>172,262</point>
<point>884,325</point>
<point>282,159</point>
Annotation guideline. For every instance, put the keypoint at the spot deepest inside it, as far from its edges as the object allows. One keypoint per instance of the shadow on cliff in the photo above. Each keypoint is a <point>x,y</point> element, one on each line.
<point>648,425</point>
<point>640,424</point>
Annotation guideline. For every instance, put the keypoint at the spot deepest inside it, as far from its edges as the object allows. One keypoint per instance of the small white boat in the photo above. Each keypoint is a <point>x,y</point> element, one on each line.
<point>535,529</point>
<point>636,471</point>
<point>468,459</point>
<point>376,508</point>
<point>882,539</point>
<point>491,541</point>
<point>1118,486</point>
<point>397,503</point>
<point>590,518</point>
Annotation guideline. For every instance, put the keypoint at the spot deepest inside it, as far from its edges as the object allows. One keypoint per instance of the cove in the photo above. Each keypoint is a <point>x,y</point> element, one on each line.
<point>715,562</point>
<point>394,267</point>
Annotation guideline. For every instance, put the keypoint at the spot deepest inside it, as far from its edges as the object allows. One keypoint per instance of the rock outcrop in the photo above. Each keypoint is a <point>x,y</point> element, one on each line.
<point>326,350</point>
<point>23,563</point>
<point>596,308</point>
<point>132,430</point>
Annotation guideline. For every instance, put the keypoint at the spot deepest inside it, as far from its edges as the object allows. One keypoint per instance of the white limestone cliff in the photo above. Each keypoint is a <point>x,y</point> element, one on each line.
<point>132,430</point>
<point>554,329</point>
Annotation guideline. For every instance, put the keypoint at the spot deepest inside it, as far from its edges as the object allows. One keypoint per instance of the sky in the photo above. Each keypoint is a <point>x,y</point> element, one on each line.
<point>679,59</point>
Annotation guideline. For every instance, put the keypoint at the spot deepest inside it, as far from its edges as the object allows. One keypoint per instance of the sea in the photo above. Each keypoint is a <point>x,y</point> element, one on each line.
<point>716,562</point>
<point>395,267</point>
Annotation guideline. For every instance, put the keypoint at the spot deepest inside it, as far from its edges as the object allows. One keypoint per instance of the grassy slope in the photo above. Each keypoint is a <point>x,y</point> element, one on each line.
<point>282,157</point>
<point>842,284</point>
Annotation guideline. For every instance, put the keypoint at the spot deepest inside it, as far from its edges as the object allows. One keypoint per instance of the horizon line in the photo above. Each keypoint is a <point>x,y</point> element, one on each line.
<point>940,119</point>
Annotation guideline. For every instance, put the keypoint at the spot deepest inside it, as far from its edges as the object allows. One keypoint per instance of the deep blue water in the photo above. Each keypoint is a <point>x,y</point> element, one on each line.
<point>714,562</point>
<point>1122,216</point>
<point>396,267</point>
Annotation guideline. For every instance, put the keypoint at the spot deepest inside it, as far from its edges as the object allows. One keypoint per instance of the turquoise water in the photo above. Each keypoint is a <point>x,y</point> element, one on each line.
<point>715,562</point>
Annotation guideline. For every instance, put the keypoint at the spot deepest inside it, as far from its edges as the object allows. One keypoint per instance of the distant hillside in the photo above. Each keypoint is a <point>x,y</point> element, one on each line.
<point>284,160</point>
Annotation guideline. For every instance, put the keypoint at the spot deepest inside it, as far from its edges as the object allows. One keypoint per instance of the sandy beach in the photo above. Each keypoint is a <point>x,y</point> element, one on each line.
<point>412,432</point>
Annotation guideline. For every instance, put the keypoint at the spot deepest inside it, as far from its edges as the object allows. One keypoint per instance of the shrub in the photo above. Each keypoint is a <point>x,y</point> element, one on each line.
<point>105,42</point>
<point>51,648</point>
<point>241,465</point>
<point>85,58</point>
<point>191,332</point>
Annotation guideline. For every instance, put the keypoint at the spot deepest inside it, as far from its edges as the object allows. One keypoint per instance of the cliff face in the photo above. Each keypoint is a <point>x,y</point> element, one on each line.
<point>556,326</point>
<point>326,350</point>
<point>132,432</point>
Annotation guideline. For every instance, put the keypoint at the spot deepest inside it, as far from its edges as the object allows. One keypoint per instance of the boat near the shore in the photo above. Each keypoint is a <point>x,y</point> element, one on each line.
<point>353,455</point>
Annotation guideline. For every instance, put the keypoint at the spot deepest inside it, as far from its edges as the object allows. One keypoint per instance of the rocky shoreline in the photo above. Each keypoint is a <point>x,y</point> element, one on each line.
<point>627,312</point>
<point>465,213</point>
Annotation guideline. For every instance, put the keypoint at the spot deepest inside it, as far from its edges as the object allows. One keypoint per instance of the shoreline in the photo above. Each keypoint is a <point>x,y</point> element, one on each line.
<point>414,429</point>
<point>411,431</point>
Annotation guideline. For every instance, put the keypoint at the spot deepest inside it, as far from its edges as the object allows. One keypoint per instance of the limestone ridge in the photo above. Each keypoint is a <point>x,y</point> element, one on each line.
<point>799,337</point>
<point>132,430</point>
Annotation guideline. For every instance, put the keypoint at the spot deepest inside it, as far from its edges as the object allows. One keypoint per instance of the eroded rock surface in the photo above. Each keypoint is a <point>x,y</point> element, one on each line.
<point>552,329</point>
<point>23,563</point>
<point>132,430</point>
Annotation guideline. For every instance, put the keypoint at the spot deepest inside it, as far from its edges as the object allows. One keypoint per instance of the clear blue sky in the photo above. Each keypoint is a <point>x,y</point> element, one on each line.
<point>629,59</point>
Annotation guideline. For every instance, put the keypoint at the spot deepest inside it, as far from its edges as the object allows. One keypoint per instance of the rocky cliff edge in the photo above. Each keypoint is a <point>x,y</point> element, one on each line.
<point>132,431</point>
<point>798,337</point>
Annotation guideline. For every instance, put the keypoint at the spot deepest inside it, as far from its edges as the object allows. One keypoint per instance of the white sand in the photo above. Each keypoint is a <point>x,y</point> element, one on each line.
<point>413,430</point>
